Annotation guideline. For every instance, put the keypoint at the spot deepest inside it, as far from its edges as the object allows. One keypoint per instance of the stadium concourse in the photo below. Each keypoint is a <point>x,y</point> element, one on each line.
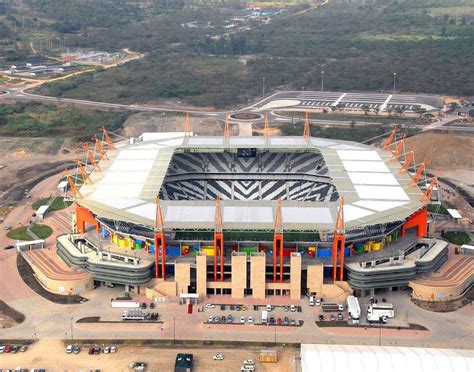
<point>248,216</point>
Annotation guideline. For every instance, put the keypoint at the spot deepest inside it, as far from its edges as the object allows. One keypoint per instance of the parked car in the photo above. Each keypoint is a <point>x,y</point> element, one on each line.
<point>23,348</point>
<point>69,349</point>
<point>216,319</point>
<point>91,351</point>
<point>243,307</point>
<point>242,319</point>
<point>96,350</point>
<point>210,319</point>
<point>2,348</point>
<point>318,302</point>
<point>269,307</point>
<point>152,305</point>
<point>8,349</point>
<point>293,322</point>
<point>293,308</point>
<point>279,321</point>
<point>286,321</point>
<point>250,319</point>
<point>321,317</point>
<point>106,350</point>
<point>77,349</point>
<point>222,307</point>
<point>249,362</point>
<point>209,306</point>
<point>247,368</point>
<point>113,349</point>
<point>15,349</point>
<point>230,319</point>
<point>333,317</point>
<point>218,356</point>
<point>286,308</point>
<point>143,305</point>
<point>340,316</point>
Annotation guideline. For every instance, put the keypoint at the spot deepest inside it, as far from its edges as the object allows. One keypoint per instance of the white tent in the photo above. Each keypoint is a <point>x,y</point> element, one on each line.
<point>356,358</point>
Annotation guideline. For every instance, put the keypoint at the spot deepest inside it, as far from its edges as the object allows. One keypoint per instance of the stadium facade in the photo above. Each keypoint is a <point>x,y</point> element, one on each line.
<point>247,216</point>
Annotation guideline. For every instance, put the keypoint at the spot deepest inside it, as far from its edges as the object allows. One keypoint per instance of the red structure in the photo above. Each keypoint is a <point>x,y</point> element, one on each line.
<point>91,157</point>
<point>266,129</point>
<point>72,184</point>
<point>85,176</point>
<point>226,128</point>
<point>99,147</point>
<point>409,160</point>
<point>187,127</point>
<point>307,131</point>
<point>218,240</point>
<point>390,139</point>
<point>83,216</point>
<point>160,243</point>
<point>109,142</point>
<point>419,173</point>
<point>418,220</point>
<point>278,242</point>
<point>399,148</point>
<point>426,197</point>
<point>338,243</point>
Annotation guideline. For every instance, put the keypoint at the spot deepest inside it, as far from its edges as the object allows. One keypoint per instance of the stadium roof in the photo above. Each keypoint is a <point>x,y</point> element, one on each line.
<point>356,358</point>
<point>373,188</point>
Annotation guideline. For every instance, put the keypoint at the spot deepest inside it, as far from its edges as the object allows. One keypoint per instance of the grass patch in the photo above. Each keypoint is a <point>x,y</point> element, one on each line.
<point>56,205</point>
<point>21,233</point>
<point>437,208</point>
<point>457,237</point>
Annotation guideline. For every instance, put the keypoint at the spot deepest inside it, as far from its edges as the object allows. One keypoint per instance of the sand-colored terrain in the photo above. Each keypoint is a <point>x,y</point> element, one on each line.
<point>51,354</point>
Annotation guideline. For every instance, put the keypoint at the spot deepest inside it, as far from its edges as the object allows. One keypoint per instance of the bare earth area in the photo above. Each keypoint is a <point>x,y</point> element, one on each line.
<point>446,153</point>
<point>152,122</point>
<point>50,354</point>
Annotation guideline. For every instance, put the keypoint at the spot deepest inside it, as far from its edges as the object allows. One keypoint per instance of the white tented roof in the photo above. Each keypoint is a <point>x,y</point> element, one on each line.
<point>126,186</point>
<point>357,358</point>
<point>454,213</point>
<point>42,210</point>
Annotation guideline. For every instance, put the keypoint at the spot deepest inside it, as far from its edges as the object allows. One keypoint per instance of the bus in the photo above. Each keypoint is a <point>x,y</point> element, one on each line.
<point>353,309</point>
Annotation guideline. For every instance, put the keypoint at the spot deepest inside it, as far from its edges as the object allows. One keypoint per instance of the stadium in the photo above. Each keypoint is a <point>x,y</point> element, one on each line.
<point>177,215</point>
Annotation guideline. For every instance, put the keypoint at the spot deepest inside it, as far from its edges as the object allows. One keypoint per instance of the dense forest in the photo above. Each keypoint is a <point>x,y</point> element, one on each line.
<point>429,44</point>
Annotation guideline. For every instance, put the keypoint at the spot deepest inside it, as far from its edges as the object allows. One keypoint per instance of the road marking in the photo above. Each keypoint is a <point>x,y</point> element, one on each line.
<point>339,99</point>
<point>382,108</point>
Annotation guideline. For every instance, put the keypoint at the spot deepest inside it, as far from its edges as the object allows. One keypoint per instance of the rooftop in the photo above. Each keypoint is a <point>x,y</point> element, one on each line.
<point>126,187</point>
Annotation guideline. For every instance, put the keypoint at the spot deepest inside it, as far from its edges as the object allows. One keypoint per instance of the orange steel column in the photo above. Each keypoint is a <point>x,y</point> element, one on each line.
<point>160,240</point>
<point>338,243</point>
<point>218,239</point>
<point>109,142</point>
<point>307,131</point>
<point>278,242</point>
<point>390,139</point>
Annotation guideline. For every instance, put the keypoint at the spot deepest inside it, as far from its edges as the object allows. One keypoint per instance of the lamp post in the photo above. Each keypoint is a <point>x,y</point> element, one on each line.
<point>174,329</point>
<point>322,81</point>
<point>394,81</point>
<point>72,334</point>
<point>263,87</point>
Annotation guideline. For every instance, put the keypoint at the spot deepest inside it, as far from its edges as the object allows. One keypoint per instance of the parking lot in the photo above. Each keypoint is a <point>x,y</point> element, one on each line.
<point>51,355</point>
<point>251,315</point>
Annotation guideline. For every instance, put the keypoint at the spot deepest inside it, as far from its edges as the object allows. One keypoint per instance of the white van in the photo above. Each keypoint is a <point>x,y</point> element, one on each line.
<point>269,307</point>
<point>311,300</point>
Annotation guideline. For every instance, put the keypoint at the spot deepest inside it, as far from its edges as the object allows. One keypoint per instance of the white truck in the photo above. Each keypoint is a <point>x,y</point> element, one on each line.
<point>264,317</point>
<point>126,304</point>
<point>133,315</point>
<point>311,300</point>
<point>353,309</point>
<point>380,312</point>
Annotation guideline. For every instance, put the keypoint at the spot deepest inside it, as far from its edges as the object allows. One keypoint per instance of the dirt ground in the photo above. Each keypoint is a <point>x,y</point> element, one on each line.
<point>50,354</point>
<point>445,152</point>
<point>153,122</point>
<point>23,160</point>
